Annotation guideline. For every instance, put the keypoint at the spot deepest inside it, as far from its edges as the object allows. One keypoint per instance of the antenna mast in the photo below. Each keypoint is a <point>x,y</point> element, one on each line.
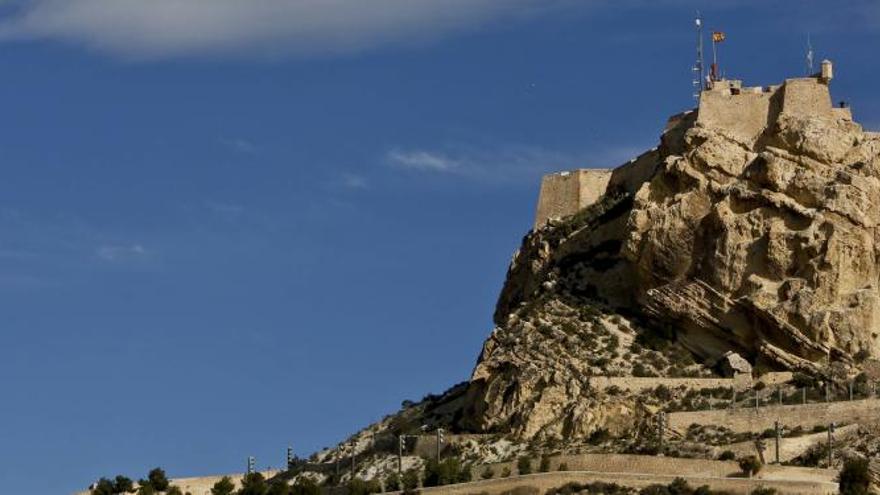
<point>699,83</point>
<point>810,69</point>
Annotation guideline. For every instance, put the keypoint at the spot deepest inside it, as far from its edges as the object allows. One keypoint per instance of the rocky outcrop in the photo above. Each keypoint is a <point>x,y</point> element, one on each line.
<point>765,247</point>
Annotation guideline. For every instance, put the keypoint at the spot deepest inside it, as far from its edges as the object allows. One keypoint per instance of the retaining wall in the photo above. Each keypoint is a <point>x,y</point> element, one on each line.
<point>760,419</point>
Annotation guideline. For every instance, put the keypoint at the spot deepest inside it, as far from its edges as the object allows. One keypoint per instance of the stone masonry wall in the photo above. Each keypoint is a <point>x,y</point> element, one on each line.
<point>638,384</point>
<point>760,419</point>
<point>565,193</point>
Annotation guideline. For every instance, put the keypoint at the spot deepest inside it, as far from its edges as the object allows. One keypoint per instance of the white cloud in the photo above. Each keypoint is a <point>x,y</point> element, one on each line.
<point>509,162</point>
<point>120,253</point>
<point>240,145</point>
<point>169,28</point>
<point>423,160</point>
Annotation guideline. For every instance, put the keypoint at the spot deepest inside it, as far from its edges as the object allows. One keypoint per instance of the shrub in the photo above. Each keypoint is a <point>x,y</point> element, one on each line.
<point>103,487</point>
<point>505,473</point>
<point>223,487</point>
<point>761,490</point>
<point>253,484</point>
<point>358,486</point>
<point>305,486</point>
<point>392,482</point>
<point>487,473</point>
<point>854,477</point>
<point>524,465</point>
<point>410,479</point>
<point>446,472</point>
<point>600,435</point>
<point>750,465</point>
<point>279,487</point>
<point>175,490</point>
<point>157,479</point>
<point>727,455</point>
<point>545,464</point>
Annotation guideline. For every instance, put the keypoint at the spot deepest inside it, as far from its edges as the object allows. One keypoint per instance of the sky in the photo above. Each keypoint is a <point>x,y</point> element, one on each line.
<point>228,227</point>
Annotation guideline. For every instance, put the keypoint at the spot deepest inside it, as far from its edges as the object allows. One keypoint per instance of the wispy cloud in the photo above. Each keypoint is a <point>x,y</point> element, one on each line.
<point>430,161</point>
<point>121,253</point>
<point>353,181</point>
<point>240,145</point>
<point>505,163</point>
<point>169,28</point>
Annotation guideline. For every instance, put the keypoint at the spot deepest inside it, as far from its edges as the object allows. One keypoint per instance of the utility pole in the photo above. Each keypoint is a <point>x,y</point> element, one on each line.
<point>661,430</point>
<point>439,443</point>
<point>400,441</point>
<point>830,444</point>
<point>698,82</point>
<point>778,435</point>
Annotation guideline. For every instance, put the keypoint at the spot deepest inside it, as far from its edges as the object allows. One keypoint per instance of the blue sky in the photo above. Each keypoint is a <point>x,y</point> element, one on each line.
<point>225,230</point>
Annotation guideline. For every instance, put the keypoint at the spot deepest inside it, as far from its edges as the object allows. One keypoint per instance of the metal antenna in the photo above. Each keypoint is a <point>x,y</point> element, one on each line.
<point>809,56</point>
<point>698,82</point>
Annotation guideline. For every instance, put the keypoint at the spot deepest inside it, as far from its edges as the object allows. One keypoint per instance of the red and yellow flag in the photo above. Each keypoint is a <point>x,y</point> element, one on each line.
<point>718,36</point>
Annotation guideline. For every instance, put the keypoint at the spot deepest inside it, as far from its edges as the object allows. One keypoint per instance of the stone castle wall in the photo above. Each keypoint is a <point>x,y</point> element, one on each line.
<point>565,193</point>
<point>749,419</point>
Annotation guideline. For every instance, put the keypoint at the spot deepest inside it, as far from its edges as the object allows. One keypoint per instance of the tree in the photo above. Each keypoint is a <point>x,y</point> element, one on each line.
<point>305,486</point>
<point>145,488</point>
<point>103,487</point>
<point>279,487</point>
<point>855,478</point>
<point>253,484</point>
<point>223,487</point>
<point>410,479</point>
<point>524,465</point>
<point>545,464</point>
<point>750,465</point>
<point>123,484</point>
<point>446,472</point>
<point>174,490</point>
<point>358,486</point>
<point>392,482</point>
<point>157,479</point>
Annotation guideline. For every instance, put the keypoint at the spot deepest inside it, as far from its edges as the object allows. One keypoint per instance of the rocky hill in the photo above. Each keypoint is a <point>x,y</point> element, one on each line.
<point>733,266</point>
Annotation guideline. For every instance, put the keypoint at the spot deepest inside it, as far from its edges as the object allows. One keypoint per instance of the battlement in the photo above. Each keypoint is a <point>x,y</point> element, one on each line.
<point>745,112</point>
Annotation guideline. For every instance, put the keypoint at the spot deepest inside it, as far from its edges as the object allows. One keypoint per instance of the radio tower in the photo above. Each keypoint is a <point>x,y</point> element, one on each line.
<point>698,82</point>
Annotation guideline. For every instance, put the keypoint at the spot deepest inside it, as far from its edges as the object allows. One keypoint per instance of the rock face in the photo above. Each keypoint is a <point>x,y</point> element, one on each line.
<point>758,238</point>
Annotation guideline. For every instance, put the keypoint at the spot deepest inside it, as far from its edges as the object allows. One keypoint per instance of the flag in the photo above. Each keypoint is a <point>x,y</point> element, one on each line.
<point>718,36</point>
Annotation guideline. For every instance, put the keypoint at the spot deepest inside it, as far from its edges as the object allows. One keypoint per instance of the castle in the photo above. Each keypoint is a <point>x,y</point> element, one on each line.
<point>744,113</point>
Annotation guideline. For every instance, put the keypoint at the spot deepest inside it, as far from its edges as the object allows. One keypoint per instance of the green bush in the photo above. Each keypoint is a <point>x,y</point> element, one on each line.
<point>545,464</point>
<point>279,487</point>
<point>487,473</point>
<point>253,484</point>
<point>855,477</point>
<point>223,487</point>
<point>524,465</point>
<point>505,473</point>
<point>157,479</point>
<point>445,472</point>
<point>392,482</point>
<point>358,486</point>
<point>727,455</point>
<point>305,486</point>
<point>750,465</point>
<point>103,487</point>
<point>410,479</point>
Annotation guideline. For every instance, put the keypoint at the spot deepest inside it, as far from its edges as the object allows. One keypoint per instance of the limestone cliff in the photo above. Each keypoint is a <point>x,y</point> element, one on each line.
<point>755,233</point>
